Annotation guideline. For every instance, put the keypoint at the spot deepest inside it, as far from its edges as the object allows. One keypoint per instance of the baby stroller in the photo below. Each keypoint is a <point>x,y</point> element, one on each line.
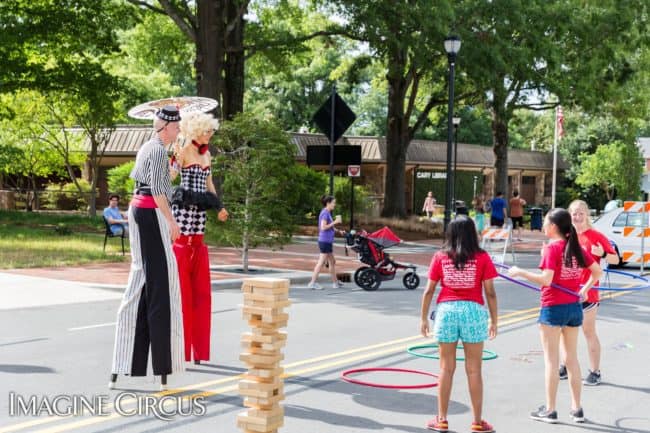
<point>370,249</point>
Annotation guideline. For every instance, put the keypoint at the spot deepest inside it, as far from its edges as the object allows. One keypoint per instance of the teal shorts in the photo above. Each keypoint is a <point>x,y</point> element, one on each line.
<point>466,321</point>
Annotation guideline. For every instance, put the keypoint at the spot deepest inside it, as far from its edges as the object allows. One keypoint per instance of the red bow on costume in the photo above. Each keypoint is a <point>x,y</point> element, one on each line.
<point>202,147</point>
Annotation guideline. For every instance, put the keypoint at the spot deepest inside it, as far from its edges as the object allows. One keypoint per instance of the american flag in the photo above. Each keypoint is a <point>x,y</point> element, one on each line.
<point>559,119</point>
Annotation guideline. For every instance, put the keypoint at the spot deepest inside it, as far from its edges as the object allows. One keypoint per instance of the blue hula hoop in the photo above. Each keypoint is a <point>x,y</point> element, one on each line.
<point>571,292</point>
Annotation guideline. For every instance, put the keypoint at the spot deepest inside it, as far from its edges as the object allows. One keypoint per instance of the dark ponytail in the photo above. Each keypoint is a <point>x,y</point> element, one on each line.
<point>562,219</point>
<point>326,199</point>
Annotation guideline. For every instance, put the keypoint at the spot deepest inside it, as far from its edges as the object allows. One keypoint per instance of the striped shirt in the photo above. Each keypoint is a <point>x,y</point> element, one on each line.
<point>151,168</point>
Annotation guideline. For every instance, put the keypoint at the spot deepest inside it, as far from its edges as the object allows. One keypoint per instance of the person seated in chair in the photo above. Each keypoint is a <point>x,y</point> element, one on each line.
<point>118,220</point>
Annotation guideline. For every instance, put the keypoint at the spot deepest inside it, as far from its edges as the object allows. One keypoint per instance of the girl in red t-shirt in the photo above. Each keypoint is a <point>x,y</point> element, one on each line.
<point>595,243</point>
<point>563,264</point>
<point>464,272</point>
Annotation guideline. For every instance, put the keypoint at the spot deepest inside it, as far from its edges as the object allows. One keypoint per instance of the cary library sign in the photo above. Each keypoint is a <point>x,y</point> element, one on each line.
<point>430,175</point>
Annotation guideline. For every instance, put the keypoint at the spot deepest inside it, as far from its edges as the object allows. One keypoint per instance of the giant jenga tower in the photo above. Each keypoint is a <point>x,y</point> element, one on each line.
<point>262,387</point>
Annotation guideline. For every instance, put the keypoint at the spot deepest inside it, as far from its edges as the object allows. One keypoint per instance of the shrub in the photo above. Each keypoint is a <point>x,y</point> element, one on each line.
<point>67,196</point>
<point>119,181</point>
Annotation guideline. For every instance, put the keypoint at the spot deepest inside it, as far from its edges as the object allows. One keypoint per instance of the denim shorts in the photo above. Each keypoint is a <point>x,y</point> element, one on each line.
<point>561,315</point>
<point>325,247</point>
<point>466,321</point>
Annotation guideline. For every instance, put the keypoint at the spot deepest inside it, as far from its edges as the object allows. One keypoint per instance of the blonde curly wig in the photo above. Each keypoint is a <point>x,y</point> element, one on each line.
<point>196,123</point>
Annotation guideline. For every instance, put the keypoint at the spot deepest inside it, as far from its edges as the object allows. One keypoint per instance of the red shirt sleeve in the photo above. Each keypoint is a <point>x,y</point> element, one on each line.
<point>550,257</point>
<point>435,270</point>
<point>604,242</point>
<point>489,270</point>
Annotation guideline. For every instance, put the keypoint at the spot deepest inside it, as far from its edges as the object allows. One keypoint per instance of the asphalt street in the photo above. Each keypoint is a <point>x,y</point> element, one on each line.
<point>48,350</point>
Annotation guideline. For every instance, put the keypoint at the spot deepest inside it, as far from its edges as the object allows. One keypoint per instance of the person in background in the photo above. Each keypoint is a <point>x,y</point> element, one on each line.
<point>429,204</point>
<point>117,219</point>
<point>517,212</point>
<point>464,272</point>
<point>479,217</point>
<point>563,264</point>
<point>596,244</point>
<point>326,231</point>
<point>498,210</point>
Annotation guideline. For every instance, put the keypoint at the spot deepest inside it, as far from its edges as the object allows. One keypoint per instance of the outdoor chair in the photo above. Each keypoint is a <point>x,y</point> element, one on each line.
<point>109,234</point>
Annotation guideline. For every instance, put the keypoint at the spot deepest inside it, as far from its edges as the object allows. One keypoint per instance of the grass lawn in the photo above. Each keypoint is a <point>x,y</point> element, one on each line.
<point>33,239</point>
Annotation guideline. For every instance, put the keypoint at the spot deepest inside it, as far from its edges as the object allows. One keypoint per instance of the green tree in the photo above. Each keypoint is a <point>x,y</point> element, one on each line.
<point>119,181</point>
<point>258,186</point>
<point>407,37</point>
<point>616,168</point>
<point>533,54</point>
<point>26,155</point>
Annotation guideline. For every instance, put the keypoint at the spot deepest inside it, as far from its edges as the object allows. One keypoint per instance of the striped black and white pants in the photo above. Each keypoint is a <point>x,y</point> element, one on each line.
<point>150,313</point>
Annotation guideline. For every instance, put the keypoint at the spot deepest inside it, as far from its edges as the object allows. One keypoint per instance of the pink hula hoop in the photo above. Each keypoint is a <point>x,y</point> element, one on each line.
<point>345,376</point>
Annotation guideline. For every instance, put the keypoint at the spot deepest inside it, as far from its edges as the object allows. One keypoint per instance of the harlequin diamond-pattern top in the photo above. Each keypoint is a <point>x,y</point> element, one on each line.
<point>190,219</point>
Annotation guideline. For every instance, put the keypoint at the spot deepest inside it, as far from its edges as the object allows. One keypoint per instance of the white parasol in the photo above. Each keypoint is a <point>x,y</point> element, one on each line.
<point>185,104</point>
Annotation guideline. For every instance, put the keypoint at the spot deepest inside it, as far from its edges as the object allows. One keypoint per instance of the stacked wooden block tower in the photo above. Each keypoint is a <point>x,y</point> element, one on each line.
<point>262,386</point>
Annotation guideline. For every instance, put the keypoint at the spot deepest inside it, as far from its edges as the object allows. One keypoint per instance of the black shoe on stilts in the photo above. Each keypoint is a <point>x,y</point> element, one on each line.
<point>197,362</point>
<point>111,384</point>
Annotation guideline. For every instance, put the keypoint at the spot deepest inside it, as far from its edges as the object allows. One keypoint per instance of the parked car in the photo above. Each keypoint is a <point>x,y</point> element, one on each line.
<point>611,224</point>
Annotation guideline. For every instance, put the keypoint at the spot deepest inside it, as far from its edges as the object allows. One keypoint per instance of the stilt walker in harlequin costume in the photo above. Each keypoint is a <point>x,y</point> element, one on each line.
<point>150,314</point>
<point>191,200</point>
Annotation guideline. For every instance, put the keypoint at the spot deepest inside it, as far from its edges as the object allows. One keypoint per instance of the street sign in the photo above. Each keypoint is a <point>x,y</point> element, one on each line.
<point>343,117</point>
<point>343,155</point>
<point>354,170</point>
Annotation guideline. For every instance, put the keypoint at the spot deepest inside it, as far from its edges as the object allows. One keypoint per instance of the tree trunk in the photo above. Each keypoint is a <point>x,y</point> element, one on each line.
<point>397,140</point>
<point>220,53</point>
<point>500,139</point>
<point>210,49</point>
<point>233,94</point>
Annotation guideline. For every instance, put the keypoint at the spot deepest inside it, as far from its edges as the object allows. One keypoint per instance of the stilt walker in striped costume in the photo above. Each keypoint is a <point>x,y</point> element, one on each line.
<point>191,199</point>
<point>150,313</point>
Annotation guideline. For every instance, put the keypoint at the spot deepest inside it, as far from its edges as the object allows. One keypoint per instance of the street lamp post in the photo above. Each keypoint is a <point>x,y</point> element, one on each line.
<point>452,46</point>
<point>456,122</point>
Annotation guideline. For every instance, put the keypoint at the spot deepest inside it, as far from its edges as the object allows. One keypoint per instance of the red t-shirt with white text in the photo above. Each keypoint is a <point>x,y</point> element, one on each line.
<point>588,239</point>
<point>461,285</point>
<point>568,277</point>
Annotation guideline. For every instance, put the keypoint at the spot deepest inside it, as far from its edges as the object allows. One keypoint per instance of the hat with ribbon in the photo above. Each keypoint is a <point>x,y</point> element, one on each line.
<point>170,113</point>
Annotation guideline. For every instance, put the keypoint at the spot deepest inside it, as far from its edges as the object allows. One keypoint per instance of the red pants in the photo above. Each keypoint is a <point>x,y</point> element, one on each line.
<point>196,296</point>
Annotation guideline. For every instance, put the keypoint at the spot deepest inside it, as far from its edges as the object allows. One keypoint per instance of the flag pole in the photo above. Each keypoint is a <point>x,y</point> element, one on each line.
<point>554,162</point>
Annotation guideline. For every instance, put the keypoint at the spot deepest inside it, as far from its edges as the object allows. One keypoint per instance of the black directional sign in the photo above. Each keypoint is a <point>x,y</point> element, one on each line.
<point>343,117</point>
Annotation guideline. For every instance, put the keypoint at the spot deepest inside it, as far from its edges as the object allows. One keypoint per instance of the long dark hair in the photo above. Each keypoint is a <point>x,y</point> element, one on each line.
<point>562,219</point>
<point>461,241</point>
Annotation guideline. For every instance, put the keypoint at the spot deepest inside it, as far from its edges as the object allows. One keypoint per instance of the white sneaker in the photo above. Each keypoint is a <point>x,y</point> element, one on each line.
<point>314,286</point>
<point>337,285</point>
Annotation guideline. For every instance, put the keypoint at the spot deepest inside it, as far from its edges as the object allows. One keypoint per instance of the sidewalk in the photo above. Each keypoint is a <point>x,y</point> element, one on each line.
<point>294,261</point>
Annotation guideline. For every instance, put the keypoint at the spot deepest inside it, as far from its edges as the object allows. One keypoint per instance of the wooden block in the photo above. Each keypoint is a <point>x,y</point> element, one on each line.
<point>262,425</point>
<point>276,410</point>
<point>264,373</point>
<point>264,338</point>
<point>261,403</point>
<point>267,304</point>
<point>256,390</point>
<point>263,348</point>
<point>271,319</point>
<point>266,331</point>
<point>262,310</point>
<point>267,285</point>
<point>261,297</point>
<point>262,386</point>
<point>262,361</point>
